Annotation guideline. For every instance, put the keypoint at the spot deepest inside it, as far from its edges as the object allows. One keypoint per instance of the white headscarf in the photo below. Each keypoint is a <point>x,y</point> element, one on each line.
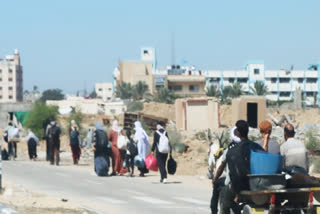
<point>234,138</point>
<point>140,132</point>
<point>32,135</point>
<point>115,126</point>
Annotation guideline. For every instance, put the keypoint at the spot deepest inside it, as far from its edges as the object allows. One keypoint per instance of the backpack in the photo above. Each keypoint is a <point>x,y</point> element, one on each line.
<point>172,166</point>
<point>74,137</point>
<point>4,155</point>
<point>101,140</point>
<point>132,147</point>
<point>238,160</point>
<point>163,145</point>
<point>101,166</point>
<point>54,132</point>
<point>121,142</point>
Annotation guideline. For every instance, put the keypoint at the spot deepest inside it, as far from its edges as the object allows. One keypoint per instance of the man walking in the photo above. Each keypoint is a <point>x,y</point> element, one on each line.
<point>53,132</point>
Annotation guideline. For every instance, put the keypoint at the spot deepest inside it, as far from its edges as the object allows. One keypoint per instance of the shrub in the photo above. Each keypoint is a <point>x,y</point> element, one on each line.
<point>38,115</point>
<point>201,135</point>
<point>174,137</point>
<point>223,138</point>
<point>312,141</point>
<point>135,106</point>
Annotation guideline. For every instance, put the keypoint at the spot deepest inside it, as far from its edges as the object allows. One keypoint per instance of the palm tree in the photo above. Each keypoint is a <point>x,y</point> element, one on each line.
<point>124,91</point>
<point>236,90</point>
<point>259,88</point>
<point>213,91</point>
<point>139,90</point>
<point>164,95</point>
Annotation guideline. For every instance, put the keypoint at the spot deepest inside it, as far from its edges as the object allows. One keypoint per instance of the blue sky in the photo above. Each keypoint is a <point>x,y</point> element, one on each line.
<point>71,44</point>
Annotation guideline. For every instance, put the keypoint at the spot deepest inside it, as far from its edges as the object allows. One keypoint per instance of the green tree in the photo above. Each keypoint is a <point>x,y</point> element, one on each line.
<point>52,94</point>
<point>259,88</point>
<point>236,90</point>
<point>213,91</point>
<point>39,113</point>
<point>125,91</point>
<point>139,90</point>
<point>164,95</point>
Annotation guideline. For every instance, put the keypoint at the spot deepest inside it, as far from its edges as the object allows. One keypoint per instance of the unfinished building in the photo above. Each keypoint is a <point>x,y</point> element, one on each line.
<point>197,114</point>
<point>249,108</point>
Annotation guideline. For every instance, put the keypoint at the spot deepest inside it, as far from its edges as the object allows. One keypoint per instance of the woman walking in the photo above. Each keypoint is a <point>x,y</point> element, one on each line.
<point>142,140</point>
<point>32,142</point>
<point>162,146</point>
<point>101,151</point>
<point>117,156</point>
<point>74,142</point>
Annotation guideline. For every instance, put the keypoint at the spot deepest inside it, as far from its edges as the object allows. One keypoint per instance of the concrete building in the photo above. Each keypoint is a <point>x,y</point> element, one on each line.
<point>249,108</point>
<point>281,83</point>
<point>187,85</point>
<point>11,79</point>
<point>197,114</point>
<point>104,91</point>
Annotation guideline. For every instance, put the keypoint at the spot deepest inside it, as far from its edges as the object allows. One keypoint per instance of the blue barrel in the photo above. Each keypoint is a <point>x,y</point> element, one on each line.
<point>265,163</point>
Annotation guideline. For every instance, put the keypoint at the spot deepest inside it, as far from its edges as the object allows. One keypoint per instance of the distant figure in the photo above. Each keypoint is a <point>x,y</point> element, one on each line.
<point>89,137</point>
<point>117,155</point>
<point>294,152</point>
<point>269,145</point>
<point>101,149</point>
<point>45,126</point>
<point>75,142</point>
<point>53,132</point>
<point>13,138</point>
<point>162,147</point>
<point>142,140</point>
<point>32,142</point>
<point>131,153</point>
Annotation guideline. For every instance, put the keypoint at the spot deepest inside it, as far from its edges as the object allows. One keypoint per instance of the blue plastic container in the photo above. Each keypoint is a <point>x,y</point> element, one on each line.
<point>265,163</point>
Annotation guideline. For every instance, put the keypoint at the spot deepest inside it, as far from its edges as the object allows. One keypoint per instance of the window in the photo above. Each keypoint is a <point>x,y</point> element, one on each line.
<point>300,80</point>
<point>10,79</point>
<point>175,87</point>
<point>100,89</point>
<point>193,88</point>
<point>231,80</point>
<point>285,94</point>
<point>0,79</point>
<point>312,80</point>
<point>243,80</point>
<point>110,89</point>
<point>10,70</point>
<point>310,93</point>
<point>274,92</point>
<point>0,71</point>
<point>273,80</point>
<point>10,88</point>
<point>284,80</point>
<point>0,96</point>
<point>256,71</point>
<point>10,97</point>
<point>214,80</point>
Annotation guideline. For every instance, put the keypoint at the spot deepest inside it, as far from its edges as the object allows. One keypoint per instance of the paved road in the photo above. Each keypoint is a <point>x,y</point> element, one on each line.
<point>106,195</point>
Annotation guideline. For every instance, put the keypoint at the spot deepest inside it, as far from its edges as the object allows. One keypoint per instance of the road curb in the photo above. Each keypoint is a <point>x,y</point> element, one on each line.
<point>7,210</point>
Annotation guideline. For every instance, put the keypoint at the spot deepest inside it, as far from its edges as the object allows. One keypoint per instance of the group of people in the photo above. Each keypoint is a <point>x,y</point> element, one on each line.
<point>292,150</point>
<point>123,156</point>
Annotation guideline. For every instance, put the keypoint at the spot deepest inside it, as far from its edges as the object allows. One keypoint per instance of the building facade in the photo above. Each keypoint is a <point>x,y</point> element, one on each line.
<point>11,79</point>
<point>104,90</point>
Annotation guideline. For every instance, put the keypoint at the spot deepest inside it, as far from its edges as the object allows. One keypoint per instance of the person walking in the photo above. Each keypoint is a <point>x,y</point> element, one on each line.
<point>74,142</point>
<point>142,140</point>
<point>117,155</point>
<point>162,147</point>
<point>53,132</point>
<point>13,138</point>
<point>46,138</point>
<point>132,151</point>
<point>32,142</point>
<point>101,149</point>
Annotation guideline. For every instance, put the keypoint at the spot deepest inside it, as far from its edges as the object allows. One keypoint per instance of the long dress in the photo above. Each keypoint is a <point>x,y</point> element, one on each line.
<point>117,156</point>
<point>143,148</point>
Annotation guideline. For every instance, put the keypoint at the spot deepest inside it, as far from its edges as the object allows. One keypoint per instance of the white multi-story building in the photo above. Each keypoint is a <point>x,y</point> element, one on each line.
<point>104,90</point>
<point>11,81</point>
<point>281,83</point>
